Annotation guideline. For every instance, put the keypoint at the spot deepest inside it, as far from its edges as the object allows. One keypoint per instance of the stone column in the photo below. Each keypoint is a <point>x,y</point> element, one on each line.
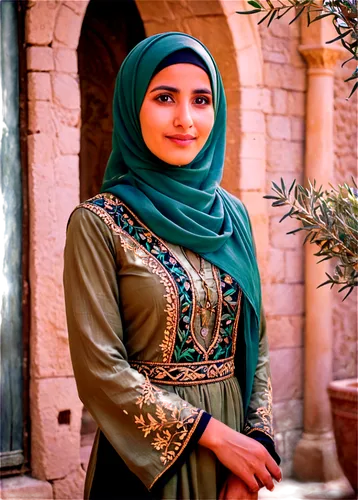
<point>315,456</point>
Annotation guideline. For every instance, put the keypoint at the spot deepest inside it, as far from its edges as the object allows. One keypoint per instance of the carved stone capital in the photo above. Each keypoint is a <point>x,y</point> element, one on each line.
<point>319,57</point>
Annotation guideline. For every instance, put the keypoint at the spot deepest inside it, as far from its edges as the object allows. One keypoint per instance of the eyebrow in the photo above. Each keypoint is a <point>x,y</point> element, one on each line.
<point>177,91</point>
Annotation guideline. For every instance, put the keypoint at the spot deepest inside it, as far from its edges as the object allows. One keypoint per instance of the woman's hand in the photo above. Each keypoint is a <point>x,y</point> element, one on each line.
<point>235,489</point>
<point>243,456</point>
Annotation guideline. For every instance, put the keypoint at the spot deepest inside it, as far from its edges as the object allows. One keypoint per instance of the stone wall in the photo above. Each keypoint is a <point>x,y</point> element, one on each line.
<point>345,328</point>
<point>52,33</point>
<point>285,84</point>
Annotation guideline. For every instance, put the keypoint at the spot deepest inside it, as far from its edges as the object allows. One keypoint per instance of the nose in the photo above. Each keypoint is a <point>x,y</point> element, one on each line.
<point>183,116</point>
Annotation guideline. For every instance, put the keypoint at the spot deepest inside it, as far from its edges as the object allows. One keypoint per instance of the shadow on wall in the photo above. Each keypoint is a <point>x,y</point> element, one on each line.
<point>109,31</point>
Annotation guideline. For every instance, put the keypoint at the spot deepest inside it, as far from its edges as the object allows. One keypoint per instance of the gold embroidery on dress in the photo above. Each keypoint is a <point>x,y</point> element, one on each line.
<point>216,336</point>
<point>171,310</point>
<point>206,352</point>
<point>264,414</point>
<point>236,322</point>
<point>171,296</point>
<point>185,373</point>
<point>171,428</point>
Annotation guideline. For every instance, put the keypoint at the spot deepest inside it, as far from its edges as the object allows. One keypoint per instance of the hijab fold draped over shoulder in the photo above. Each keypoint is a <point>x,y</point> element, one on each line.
<point>185,205</point>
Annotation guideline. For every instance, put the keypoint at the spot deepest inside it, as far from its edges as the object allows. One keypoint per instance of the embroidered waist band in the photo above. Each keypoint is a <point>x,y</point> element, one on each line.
<point>203,372</point>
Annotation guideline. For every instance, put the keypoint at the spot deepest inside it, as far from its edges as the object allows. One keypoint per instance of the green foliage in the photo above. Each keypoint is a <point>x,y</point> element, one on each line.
<point>344,15</point>
<point>330,219</point>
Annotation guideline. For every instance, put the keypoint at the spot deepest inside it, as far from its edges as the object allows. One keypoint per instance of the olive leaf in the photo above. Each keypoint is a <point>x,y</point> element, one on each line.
<point>344,15</point>
<point>330,219</point>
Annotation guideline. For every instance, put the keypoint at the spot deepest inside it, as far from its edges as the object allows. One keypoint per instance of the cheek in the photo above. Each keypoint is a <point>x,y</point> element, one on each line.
<point>207,123</point>
<point>148,126</point>
<point>152,122</point>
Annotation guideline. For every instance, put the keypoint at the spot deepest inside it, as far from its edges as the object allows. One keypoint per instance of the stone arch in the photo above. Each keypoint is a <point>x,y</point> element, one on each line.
<point>236,45</point>
<point>109,31</point>
<point>52,34</point>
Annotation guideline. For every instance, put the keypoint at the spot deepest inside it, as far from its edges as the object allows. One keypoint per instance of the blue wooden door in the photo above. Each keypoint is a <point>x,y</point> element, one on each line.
<point>11,381</point>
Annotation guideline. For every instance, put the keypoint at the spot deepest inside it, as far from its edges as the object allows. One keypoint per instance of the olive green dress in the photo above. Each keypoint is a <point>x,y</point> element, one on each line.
<point>150,367</point>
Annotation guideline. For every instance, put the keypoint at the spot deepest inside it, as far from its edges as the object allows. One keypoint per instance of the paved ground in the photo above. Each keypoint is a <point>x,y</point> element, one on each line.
<point>291,489</point>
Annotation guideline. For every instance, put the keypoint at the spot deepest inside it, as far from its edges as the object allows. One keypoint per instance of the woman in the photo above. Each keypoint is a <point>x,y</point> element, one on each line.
<point>163,296</point>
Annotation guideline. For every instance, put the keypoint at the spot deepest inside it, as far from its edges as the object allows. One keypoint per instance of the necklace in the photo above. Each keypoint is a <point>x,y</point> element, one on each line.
<point>206,309</point>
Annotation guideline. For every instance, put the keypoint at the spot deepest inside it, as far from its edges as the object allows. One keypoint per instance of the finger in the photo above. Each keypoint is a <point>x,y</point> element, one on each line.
<point>238,492</point>
<point>250,496</point>
<point>260,484</point>
<point>252,484</point>
<point>273,468</point>
<point>266,479</point>
<point>248,478</point>
<point>240,495</point>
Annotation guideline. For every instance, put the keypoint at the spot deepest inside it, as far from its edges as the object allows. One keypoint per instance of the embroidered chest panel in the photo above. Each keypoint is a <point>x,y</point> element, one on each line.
<point>179,347</point>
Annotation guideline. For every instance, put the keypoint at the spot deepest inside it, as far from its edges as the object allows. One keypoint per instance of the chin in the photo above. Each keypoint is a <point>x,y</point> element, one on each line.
<point>179,161</point>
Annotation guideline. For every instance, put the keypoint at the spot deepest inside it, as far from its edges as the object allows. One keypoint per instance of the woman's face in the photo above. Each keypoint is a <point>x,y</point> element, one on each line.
<point>177,114</point>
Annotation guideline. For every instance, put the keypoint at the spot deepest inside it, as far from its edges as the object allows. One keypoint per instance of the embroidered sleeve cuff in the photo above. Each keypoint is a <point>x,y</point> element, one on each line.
<point>268,443</point>
<point>194,438</point>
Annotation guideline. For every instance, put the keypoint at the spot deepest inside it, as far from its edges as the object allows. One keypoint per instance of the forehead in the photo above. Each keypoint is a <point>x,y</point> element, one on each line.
<point>182,75</point>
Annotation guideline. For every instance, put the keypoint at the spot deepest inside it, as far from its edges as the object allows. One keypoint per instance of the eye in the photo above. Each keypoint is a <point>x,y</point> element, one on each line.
<point>202,100</point>
<point>164,98</point>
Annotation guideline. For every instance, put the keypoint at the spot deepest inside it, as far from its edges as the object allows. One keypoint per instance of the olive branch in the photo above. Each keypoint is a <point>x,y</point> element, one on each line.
<point>344,15</point>
<point>330,219</point>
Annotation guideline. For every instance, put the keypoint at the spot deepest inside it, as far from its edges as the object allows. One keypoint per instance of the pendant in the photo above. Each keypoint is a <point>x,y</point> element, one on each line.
<point>204,332</point>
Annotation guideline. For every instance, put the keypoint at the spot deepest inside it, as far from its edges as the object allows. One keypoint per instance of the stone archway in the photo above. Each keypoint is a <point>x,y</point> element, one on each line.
<point>109,31</point>
<point>52,34</point>
<point>236,47</point>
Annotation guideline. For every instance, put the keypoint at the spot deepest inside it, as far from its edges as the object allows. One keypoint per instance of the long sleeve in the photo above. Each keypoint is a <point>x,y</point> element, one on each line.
<point>259,421</point>
<point>152,429</point>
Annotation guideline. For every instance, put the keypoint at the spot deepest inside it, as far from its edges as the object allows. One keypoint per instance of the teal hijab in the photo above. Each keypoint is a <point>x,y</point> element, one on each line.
<point>185,205</point>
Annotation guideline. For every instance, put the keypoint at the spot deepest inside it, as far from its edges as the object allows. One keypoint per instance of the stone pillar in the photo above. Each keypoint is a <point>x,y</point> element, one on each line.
<point>315,456</point>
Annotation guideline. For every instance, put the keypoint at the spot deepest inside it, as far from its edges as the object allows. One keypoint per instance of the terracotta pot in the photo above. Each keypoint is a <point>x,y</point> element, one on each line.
<point>344,404</point>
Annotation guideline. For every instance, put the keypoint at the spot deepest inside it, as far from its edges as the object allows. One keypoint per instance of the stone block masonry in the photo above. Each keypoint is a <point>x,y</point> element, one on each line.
<point>285,82</point>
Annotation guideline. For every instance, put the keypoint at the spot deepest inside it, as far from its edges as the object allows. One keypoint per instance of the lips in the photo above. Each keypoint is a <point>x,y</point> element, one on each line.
<point>182,137</point>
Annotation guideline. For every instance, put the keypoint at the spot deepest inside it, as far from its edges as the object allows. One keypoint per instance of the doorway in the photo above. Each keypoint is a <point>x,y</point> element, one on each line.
<point>110,30</point>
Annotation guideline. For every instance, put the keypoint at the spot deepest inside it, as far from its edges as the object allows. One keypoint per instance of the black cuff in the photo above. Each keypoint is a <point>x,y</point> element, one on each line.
<point>200,428</point>
<point>267,442</point>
